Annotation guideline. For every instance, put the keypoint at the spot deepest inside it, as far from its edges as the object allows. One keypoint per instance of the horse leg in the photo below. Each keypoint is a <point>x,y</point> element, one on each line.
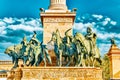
<point>94,61</point>
<point>69,60</point>
<point>25,58</point>
<point>65,58</point>
<point>76,59</point>
<point>88,61</point>
<point>44,59</point>
<point>16,63</point>
<point>57,59</point>
<point>48,57</point>
<point>60,59</point>
<point>80,60</point>
<point>36,60</point>
<point>31,61</point>
<point>44,62</point>
<point>83,57</point>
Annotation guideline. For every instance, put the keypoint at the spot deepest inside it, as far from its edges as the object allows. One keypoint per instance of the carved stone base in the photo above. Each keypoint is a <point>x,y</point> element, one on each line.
<point>61,73</point>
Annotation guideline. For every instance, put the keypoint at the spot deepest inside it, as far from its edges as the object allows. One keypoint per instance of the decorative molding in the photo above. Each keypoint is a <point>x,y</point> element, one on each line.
<point>59,73</point>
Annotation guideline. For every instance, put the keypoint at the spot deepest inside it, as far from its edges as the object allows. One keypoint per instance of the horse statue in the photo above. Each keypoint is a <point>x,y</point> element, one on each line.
<point>87,52</point>
<point>61,50</point>
<point>16,54</point>
<point>58,47</point>
<point>70,47</point>
<point>80,55</point>
<point>31,53</point>
<point>37,54</point>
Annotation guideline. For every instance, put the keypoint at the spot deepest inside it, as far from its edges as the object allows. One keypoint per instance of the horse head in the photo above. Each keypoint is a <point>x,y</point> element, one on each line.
<point>13,50</point>
<point>79,37</point>
<point>9,51</point>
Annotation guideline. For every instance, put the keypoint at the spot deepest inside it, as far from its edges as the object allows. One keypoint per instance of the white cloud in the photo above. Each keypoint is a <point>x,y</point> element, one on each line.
<point>2,23</point>
<point>105,35</point>
<point>89,24</point>
<point>22,20</point>
<point>82,27</point>
<point>78,26</point>
<point>25,27</point>
<point>2,30</point>
<point>105,23</point>
<point>107,19</point>
<point>8,20</point>
<point>113,23</point>
<point>97,16</point>
<point>25,24</point>
<point>33,22</point>
<point>78,18</point>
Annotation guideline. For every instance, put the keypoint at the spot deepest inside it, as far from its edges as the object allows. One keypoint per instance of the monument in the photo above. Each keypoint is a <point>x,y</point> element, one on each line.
<point>56,17</point>
<point>79,50</point>
<point>114,57</point>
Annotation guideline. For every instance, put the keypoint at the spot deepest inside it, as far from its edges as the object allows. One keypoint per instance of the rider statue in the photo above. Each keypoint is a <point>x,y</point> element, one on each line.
<point>68,37</point>
<point>34,40</point>
<point>24,41</point>
<point>24,45</point>
<point>113,41</point>
<point>67,40</point>
<point>91,37</point>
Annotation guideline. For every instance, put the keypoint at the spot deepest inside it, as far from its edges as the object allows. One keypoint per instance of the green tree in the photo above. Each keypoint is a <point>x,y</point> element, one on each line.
<point>106,67</point>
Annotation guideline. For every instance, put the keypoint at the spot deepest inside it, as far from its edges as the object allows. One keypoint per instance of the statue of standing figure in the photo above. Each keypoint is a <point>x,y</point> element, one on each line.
<point>88,47</point>
<point>91,37</point>
<point>34,40</point>
<point>94,51</point>
<point>113,41</point>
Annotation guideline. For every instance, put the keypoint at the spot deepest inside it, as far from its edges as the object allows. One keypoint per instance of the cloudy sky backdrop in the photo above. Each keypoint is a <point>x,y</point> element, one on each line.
<point>21,17</point>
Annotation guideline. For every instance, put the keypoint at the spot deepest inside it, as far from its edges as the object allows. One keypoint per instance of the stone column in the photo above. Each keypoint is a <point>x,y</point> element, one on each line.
<point>58,5</point>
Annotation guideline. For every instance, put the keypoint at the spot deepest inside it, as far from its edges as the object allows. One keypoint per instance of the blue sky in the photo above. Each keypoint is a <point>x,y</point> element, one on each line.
<point>21,17</point>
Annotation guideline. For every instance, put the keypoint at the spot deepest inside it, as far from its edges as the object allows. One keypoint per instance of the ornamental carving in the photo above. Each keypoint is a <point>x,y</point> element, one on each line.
<point>59,73</point>
<point>60,19</point>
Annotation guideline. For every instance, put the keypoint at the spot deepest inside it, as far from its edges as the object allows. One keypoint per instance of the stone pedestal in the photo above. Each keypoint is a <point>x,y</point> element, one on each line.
<point>114,57</point>
<point>18,74</point>
<point>61,73</point>
<point>56,19</point>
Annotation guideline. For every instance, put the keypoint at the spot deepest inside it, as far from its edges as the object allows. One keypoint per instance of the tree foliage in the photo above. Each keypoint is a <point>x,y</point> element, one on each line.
<point>106,67</point>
